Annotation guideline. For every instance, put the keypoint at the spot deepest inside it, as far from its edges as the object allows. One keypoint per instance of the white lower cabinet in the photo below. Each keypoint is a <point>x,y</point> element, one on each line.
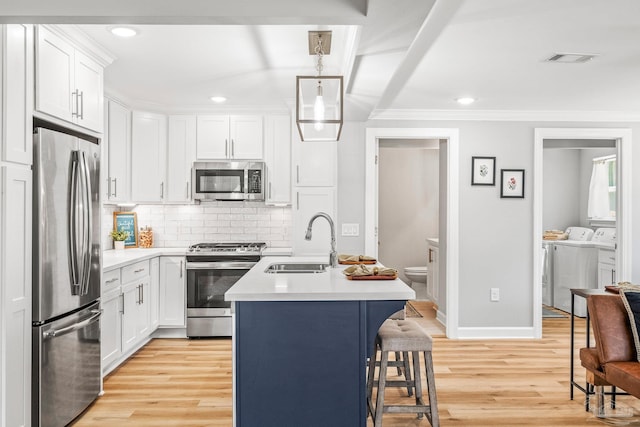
<point>111,328</point>
<point>172,292</point>
<point>606,267</point>
<point>136,315</point>
<point>154,293</point>
<point>128,310</point>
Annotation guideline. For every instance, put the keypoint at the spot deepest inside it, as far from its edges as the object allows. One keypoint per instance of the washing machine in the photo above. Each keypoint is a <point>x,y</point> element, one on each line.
<point>575,265</point>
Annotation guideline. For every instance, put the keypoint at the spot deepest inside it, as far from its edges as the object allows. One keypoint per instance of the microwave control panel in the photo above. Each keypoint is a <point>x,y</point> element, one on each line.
<point>255,181</point>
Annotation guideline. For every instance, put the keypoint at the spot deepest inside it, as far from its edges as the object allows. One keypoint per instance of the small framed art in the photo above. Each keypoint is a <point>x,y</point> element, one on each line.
<point>483,171</point>
<point>512,183</point>
<point>127,221</point>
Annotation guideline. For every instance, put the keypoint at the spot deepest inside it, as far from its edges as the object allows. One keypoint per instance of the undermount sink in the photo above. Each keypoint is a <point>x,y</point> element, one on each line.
<point>297,267</point>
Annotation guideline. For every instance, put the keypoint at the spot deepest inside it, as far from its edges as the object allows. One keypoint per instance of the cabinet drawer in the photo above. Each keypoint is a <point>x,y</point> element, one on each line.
<point>135,271</point>
<point>111,280</point>
<point>606,256</point>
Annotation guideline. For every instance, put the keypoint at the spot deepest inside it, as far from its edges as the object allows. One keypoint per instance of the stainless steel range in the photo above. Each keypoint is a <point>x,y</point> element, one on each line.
<point>212,268</point>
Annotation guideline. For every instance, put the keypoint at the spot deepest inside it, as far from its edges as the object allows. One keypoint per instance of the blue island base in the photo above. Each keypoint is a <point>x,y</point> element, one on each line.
<point>303,363</point>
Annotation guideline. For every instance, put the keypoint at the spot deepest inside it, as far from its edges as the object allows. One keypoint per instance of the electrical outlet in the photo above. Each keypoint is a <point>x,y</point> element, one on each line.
<point>495,294</point>
<point>350,229</point>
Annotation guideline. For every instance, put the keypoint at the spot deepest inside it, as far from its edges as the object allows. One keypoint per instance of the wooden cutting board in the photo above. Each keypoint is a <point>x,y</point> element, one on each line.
<point>394,277</point>
<point>368,262</point>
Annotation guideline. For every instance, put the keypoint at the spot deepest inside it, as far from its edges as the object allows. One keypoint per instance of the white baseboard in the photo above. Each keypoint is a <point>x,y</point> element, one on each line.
<point>496,333</point>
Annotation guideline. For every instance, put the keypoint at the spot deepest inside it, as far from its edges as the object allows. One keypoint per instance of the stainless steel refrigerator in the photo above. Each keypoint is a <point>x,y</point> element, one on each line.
<point>66,276</point>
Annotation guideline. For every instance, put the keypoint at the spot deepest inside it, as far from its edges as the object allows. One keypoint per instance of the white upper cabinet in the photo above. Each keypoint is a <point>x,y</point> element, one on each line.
<point>148,156</point>
<point>277,157</point>
<point>229,137</point>
<point>69,84</point>
<point>315,164</point>
<point>116,151</point>
<point>18,93</point>
<point>181,152</point>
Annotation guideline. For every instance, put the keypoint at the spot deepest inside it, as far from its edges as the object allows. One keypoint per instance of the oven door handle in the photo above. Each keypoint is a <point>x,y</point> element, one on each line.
<point>220,265</point>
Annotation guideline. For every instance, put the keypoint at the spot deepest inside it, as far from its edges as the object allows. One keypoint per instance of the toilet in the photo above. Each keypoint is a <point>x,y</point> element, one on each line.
<point>418,278</point>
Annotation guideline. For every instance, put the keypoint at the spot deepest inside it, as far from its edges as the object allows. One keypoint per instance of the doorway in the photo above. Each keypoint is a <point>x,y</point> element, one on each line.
<point>408,195</point>
<point>579,139</point>
<point>447,206</point>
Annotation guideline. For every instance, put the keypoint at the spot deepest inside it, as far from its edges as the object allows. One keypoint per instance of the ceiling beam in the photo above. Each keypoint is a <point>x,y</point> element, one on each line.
<point>436,21</point>
<point>203,12</point>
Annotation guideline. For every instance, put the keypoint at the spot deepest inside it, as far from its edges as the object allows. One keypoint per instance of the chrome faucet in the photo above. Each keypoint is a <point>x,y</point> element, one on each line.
<point>333,255</point>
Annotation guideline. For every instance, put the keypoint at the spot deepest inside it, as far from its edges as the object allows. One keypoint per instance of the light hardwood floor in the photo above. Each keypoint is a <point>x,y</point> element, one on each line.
<point>479,383</point>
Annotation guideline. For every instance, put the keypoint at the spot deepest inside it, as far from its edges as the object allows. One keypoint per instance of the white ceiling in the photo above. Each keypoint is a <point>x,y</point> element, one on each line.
<point>399,55</point>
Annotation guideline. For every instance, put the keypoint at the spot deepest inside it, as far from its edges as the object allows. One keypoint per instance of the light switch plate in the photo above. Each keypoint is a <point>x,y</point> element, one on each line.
<point>350,229</point>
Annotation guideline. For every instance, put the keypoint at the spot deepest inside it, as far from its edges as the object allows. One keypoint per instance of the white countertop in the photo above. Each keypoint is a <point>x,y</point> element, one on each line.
<point>113,259</point>
<point>331,285</point>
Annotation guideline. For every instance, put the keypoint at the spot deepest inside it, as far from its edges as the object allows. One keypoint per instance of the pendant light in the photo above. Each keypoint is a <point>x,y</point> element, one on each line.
<point>319,98</point>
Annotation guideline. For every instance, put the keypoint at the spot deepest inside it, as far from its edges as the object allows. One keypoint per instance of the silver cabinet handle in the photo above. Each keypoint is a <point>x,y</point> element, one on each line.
<point>122,306</point>
<point>115,279</point>
<point>81,96</point>
<point>74,94</point>
<point>141,293</point>
<point>233,148</point>
<point>139,270</point>
<point>115,187</point>
<point>162,190</point>
<point>298,200</point>
<point>188,190</point>
<point>269,190</point>
<point>226,148</point>
<point>297,174</point>
<point>181,269</point>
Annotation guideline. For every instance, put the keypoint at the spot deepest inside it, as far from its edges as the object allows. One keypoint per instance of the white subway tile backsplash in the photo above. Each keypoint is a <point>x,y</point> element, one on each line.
<point>183,225</point>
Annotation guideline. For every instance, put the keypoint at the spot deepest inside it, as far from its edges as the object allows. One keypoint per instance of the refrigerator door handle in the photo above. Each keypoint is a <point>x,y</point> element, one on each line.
<point>72,213</point>
<point>59,332</point>
<point>87,225</point>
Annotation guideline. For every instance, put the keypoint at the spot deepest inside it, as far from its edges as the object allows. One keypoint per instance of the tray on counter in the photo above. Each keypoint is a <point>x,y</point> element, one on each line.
<point>368,262</point>
<point>372,277</point>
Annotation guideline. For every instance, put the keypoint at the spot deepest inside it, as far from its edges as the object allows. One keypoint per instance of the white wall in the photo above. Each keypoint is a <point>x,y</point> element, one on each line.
<point>496,234</point>
<point>351,187</point>
<point>183,225</point>
<point>408,211</point>
<point>561,188</point>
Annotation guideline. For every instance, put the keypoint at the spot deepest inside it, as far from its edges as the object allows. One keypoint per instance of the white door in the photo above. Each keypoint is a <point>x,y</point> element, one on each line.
<point>246,137</point>
<point>54,75</point>
<point>148,150</point>
<point>89,92</point>
<point>181,152</point>
<point>172,291</point>
<point>119,154</point>
<point>212,137</point>
<point>310,201</point>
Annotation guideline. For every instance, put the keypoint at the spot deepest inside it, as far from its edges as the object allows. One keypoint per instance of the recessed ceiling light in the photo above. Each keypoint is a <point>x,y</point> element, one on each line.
<point>123,31</point>
<point>465,100</point>
<point>218,99</point>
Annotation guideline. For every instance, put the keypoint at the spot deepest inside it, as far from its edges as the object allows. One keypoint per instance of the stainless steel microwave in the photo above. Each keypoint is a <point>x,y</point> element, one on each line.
<point>228,180</point>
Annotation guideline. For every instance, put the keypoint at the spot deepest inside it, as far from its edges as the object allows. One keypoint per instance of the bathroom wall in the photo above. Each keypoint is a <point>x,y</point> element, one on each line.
<point>183,225</point>
<point>408,205</point>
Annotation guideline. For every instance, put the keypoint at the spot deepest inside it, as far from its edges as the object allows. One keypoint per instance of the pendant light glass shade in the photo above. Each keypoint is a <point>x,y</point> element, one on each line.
<point>319,107</point>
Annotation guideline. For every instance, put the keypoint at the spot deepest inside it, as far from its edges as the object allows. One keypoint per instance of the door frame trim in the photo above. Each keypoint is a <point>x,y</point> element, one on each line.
<point>623,209</point>
<point>450,242</point>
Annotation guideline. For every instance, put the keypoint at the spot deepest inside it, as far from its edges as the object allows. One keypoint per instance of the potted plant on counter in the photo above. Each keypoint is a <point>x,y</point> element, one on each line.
<point>119,236</point>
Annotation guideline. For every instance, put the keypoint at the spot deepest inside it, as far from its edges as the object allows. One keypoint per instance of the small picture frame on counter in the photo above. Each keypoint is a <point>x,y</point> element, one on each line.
<point>512,183</point>
<point>483,170</point>
<point>127,221</point>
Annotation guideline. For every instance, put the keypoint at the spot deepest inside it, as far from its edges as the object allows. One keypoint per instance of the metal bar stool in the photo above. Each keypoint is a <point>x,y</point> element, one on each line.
<point>407,337</point>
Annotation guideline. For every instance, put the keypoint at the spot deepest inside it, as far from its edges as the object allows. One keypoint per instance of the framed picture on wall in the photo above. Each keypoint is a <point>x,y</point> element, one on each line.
<point>512,183</point>
<point>483,171</point>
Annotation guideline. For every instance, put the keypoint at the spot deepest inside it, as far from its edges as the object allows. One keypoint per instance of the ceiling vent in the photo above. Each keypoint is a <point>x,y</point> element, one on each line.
<point>572,58</point>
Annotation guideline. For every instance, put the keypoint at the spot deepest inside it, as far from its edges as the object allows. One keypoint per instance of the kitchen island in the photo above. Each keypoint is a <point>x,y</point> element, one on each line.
<point>301,341</point>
